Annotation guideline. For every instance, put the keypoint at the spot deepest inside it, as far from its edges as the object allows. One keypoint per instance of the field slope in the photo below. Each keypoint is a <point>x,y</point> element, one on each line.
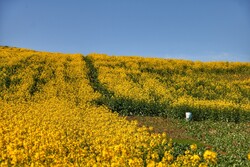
<point>217,91</point>
<point>67,109</point>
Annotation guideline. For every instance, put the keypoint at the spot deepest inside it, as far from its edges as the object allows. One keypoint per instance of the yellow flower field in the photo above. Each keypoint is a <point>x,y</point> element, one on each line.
<point>48,118</point>
<point>212,90</point>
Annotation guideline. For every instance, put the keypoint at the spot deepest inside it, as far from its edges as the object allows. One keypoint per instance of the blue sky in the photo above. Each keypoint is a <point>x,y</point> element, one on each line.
<point>205,30</point>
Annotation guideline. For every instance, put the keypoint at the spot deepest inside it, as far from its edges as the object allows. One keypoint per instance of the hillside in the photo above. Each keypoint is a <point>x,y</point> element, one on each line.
<point>66,109</point>
<point>165,87</point>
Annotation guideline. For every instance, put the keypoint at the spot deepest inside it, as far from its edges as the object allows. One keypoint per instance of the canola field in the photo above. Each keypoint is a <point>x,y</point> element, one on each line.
<point>217,91</point>
<point>60,109</point>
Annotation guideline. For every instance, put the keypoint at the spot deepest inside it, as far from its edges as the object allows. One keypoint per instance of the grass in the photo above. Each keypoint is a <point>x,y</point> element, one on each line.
<point>230,140</point>
<point>160,125</point>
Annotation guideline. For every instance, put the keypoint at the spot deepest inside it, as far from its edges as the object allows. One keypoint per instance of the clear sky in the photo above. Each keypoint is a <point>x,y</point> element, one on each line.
<point>205,30</point>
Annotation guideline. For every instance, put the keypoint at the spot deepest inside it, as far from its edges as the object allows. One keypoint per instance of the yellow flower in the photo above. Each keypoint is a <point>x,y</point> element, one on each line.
<point>151,164</point>
<point>195,158</point>
<point>203,165</point>
<point>193,147</point>
<point>210,156</point>
<point>150,128</point>
<point>248,156</point>
<point>187,152</point>
<point>168,156</point>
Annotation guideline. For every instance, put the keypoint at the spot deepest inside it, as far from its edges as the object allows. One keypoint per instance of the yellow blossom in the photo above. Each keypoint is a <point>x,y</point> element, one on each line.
<point>193,147</point>
<point>210,156</point>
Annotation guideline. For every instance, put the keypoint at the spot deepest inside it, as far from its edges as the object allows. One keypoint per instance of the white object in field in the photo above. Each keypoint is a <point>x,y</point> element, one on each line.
<point>188,116</point>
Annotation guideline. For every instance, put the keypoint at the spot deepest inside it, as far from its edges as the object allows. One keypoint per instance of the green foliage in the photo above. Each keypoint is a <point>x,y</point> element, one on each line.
<point>230,140</point>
